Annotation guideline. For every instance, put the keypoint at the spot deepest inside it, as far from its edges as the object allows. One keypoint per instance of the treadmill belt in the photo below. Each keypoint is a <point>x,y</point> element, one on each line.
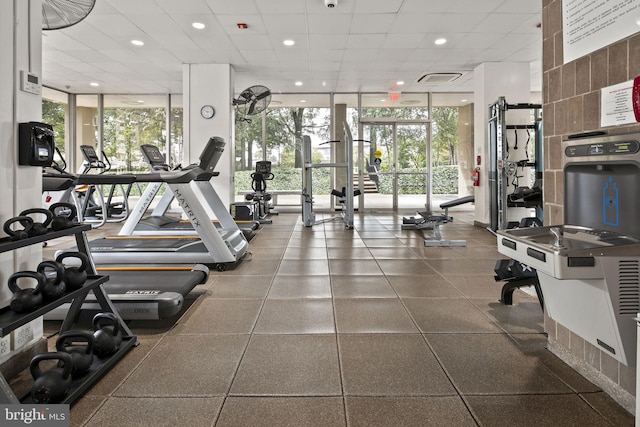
<point>182,282</point>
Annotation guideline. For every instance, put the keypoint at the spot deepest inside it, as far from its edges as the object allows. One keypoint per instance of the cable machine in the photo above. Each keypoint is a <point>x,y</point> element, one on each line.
<point>515,192</point>
<point>345,196</point>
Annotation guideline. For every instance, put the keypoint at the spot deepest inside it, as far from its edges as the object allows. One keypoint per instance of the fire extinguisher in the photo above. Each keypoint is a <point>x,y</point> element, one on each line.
<point>475,176</point>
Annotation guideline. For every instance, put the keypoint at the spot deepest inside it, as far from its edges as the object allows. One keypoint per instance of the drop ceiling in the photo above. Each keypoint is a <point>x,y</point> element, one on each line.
<point>360,45</point>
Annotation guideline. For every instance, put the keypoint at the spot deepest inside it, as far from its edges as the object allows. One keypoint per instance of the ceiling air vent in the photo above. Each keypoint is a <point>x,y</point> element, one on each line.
<point>437,78</point>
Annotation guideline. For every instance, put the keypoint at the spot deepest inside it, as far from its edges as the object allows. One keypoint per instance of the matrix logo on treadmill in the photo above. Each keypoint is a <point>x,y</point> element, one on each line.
<point>186,208</point>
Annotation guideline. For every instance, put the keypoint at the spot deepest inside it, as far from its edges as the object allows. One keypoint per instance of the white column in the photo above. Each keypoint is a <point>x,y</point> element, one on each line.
<point>210,84</point>
<point>492,80</point>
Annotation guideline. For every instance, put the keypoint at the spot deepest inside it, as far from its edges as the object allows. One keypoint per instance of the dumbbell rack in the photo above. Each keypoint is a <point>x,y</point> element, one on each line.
<point>10,321</point>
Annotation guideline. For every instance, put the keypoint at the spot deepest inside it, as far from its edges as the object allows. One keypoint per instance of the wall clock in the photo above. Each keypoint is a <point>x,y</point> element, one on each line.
<point>207,111</point>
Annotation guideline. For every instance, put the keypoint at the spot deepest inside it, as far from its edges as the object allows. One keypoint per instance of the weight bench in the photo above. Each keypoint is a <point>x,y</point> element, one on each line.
<point>425,221</point>
<point>516,275</point>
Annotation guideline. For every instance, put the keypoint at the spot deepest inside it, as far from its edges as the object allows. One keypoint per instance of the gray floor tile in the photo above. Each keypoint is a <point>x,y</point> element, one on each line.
<point>405,266</point>
<point>295,365</point>
<point>372,315</point>
<point>349,253</point>
<point>492,364</point>
<point>287,287</point>
<point>157,411</point>
<point>393,253</point>
<point>296,316</point>
<point>305,253</point>
<point>221,316</point>
<point>178,368</point>
<point>390,365</point>
<point>254,267</point>
<point>282,412</point>
<point>354,267</point>
<point>468,267</point>
<point>311,267</point>
<point>361,287</point>
<point>524,316</point>
<point>477,285</point>
<point>240,286</point>
<point>425,285</point>
<point>448,315</point>
<point>407,411</point>
<point>534,411</point>
<point>345,243</point>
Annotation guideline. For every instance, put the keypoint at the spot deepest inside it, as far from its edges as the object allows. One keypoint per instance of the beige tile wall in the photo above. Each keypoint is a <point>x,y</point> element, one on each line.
<point>571,104</point>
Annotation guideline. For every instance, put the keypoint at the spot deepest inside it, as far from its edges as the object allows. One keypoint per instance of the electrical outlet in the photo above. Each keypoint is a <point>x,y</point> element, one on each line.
<point>23,335</point>
<point>5,346</point>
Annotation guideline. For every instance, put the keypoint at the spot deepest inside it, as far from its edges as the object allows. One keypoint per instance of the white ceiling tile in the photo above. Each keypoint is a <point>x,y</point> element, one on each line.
<point>233,7</point>
<point>285,24</point>
<point>377,6</point>
<point>365,41</point>
<point>501,22</point>
<point>372,23</point>
<point>280,6</point>
<point>126,7</point>
<point>255,25</point>
<point>191,7</point>
<point>251,42</point>
<point>329,24</point>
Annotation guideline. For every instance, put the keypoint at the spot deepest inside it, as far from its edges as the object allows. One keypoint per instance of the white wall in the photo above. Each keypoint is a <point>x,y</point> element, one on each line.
<point>21,186</point>
<point>491,81</point>
<point>210,84</point>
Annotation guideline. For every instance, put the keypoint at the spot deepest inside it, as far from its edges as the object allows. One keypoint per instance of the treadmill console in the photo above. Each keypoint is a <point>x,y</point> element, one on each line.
<point>154,157</point>
<point>212,153</point>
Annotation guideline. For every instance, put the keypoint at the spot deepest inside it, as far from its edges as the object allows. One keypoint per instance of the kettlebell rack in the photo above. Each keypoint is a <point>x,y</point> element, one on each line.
<point>10,321</point>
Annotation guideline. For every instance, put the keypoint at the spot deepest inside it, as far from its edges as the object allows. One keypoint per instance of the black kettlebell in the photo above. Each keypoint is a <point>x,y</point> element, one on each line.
<point>25,221</point>
<point>74,276</point>
<point>38,228</point>
<point>50,386</point>
<point>28,299</point>
<point>81,355</point>
<point>54,287</point>
<point>107,334</point>
<point>64,215</point>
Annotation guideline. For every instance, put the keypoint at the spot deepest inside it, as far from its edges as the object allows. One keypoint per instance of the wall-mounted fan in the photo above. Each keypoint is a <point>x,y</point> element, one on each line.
<point>253,100</point>
<point>57,14</point>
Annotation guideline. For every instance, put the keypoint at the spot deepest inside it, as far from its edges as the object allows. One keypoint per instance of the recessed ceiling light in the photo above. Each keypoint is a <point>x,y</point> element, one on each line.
<point>94,84</point>
<point>303,100</point>
<point>399,82</point>
<point>440,41</point>
<point>463,100</point>
<point>198,25</point>
<point>288,42</point>
<point>140,101</point>
<point>137,42</point>
<point>383,100</point>
<point>298,83</point>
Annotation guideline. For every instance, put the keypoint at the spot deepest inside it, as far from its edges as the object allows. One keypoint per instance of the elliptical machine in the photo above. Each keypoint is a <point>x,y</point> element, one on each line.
<point>260,195</point>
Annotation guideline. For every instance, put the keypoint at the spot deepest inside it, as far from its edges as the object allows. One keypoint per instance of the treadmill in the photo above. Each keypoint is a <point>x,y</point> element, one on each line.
<point>150,293</point>
<point>222,247</point>
<point>143,293</point>
<point>158,223</point>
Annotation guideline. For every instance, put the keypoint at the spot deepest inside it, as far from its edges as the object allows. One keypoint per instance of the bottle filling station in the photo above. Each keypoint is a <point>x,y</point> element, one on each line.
<point>589,267</point>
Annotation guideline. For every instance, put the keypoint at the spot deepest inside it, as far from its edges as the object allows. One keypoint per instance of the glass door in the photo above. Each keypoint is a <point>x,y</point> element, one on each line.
<point>396,165</point>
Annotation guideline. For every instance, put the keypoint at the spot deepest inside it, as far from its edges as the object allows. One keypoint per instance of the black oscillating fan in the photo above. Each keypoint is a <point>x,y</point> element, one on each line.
<point>253,100</point>
<point>58,14</point>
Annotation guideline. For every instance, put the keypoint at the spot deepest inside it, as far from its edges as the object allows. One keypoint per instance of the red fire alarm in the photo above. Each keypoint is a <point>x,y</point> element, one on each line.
<point>242,26</point>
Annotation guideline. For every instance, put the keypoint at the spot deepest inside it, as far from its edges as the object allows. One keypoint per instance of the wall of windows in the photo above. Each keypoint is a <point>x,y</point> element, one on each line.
<point>417,142</point>
<point>115,124</point>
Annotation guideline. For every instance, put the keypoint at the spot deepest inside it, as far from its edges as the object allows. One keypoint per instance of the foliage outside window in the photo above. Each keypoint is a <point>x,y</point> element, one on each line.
<point>126,129</point>
<point>53,113</point>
